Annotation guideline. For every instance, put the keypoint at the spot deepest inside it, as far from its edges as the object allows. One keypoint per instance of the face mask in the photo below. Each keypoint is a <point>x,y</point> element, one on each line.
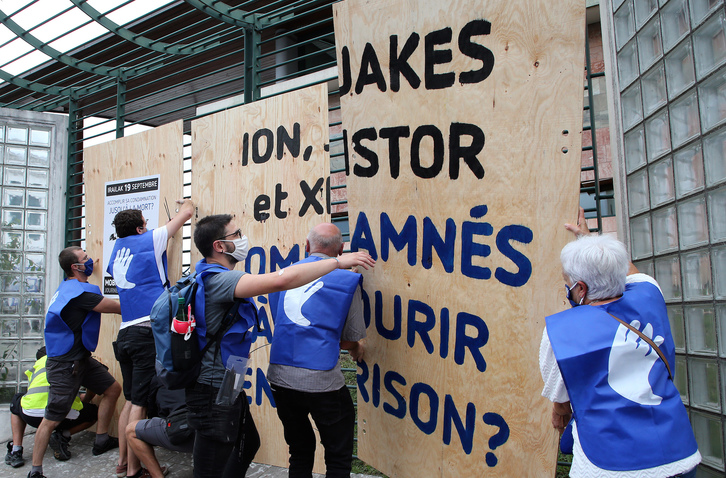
<point>569,295</point>
<point>241,246</point>
<point>89,267</point>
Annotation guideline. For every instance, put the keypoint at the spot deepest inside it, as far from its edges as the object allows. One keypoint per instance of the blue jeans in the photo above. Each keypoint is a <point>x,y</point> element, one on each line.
<point>226,436</point>
<point>334,417</point>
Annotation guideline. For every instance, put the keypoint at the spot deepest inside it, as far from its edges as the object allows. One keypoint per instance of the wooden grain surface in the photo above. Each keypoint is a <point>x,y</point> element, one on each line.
<point>222,183</point>
<point>157,151</point>
<point>529,110</point>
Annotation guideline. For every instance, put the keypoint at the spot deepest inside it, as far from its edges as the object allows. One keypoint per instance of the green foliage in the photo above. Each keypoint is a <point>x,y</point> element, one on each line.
<point>364,468</point>
<point>564,462</point>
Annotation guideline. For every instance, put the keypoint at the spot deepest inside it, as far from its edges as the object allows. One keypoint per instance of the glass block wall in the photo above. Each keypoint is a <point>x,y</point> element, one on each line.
<point>25,153</point>
<point>670,60</point>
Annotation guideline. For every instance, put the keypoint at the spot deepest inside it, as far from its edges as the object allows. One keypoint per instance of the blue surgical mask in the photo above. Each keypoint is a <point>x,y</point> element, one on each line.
<point>89,267</point>
<point>569,295</point>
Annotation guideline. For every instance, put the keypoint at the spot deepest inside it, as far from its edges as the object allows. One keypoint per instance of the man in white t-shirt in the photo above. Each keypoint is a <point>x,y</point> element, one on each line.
<point>138,266</point>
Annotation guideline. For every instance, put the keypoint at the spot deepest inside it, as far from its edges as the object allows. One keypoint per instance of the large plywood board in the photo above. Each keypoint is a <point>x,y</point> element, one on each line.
<point>463,166</point>
<point>277,194</point>
<point>157,151</point>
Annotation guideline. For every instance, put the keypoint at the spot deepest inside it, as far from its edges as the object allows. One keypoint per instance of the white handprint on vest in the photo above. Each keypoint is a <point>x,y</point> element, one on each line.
<point>121,268</point>
<point>631,360</point>
<point>296,298</point>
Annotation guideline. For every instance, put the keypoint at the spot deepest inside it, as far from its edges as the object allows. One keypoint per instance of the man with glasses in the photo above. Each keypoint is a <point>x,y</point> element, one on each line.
<point>138,266</point>
<point>72,325</point>
<point>227,438</point>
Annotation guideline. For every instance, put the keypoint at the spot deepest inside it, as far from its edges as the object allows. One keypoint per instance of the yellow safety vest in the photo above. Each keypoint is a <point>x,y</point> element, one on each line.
<point>37,395</point>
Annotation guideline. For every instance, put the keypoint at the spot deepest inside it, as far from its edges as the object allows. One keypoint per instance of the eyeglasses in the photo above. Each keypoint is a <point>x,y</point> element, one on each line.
<point>237,233</point>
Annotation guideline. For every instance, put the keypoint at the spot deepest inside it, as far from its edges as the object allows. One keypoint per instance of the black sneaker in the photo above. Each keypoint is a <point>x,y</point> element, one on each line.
<point>59,444</point>
<point>14,459</point>
<point>109,444</point>
<point>35,474</point>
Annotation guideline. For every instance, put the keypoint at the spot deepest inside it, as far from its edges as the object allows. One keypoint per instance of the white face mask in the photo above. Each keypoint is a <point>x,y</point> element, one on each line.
<point>241,247</point>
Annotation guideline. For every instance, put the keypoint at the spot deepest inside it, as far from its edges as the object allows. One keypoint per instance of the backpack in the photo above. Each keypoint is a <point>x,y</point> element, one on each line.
<point>178,359</point>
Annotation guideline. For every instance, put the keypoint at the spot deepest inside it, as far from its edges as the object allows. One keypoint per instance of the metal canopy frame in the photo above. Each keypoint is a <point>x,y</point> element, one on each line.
<point>165,65</point>
<point>161,67</point>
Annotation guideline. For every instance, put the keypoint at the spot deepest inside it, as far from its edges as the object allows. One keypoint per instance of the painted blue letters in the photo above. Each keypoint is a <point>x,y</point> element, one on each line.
<point>451,415</point>
<point>362,378</point>
<point>416,390</point>
<point>407,237</point>
<point>520,234</point>
<point>422,328</point>
<point>263,386</point>
<point>363,237</point>
<point>276,259</point>
<point>469,248</point>
<point>388,380</point>
<point>395,332</point>
<point>474,344</point>
<point>444,247</point>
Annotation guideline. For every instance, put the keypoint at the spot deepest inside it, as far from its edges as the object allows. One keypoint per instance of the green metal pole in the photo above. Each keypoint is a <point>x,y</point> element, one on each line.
<point>252,55</point>
<point>120,105</point>
<point>593,131</point>
<point>71,168</point>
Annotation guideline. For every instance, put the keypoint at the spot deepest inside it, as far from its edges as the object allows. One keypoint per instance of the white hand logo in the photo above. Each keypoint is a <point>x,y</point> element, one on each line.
<point>296,298</point>
<point>631,359</point>
<point>121,267</point>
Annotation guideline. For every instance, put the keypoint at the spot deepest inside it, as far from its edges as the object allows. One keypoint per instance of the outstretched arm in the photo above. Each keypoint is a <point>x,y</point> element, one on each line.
<point>108,306</point>
<point>580,229</point>
<point>296,275</point>
<point>185,213</point>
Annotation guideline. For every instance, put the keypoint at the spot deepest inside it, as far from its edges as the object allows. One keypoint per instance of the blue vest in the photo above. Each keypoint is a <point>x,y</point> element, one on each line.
<point>307,328</point>
<point>58,335</point>
<point>143,272</point>
<point>616,433</point>
<point>236,341</point>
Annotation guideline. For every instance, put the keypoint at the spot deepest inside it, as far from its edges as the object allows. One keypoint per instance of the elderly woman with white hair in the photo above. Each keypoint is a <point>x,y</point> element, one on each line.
<point>607,362</point>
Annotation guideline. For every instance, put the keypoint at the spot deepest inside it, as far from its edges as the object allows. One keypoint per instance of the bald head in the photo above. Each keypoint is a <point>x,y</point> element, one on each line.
<point>325,238</point>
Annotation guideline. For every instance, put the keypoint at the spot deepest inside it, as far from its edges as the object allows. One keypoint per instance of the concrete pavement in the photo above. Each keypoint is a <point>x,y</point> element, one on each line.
<point>84,465</point>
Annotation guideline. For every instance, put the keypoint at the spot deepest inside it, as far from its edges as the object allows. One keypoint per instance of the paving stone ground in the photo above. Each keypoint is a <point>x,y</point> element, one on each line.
<point>84,465</point>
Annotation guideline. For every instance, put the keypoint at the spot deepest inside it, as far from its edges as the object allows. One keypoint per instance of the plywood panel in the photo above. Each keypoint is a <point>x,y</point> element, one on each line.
<point>232,174</point>
<point>157,151</point>
<point>463,156</point>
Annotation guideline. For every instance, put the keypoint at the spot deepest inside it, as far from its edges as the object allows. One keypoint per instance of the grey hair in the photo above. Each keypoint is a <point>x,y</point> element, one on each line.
<point>326,243</point>
<point>601,262</point>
